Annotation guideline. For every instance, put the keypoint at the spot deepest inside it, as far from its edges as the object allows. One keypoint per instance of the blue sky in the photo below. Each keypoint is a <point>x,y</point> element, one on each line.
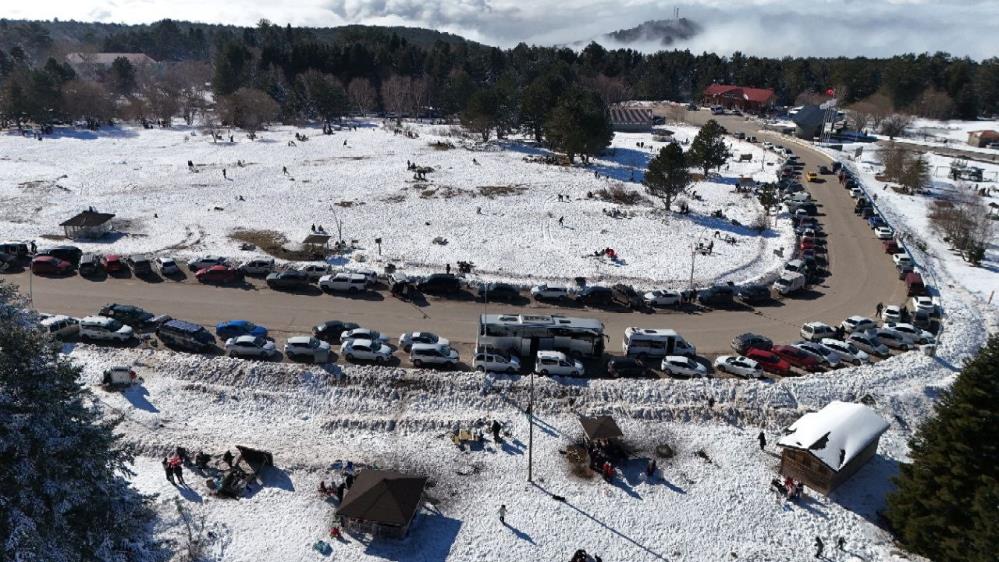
<point>764,27</point>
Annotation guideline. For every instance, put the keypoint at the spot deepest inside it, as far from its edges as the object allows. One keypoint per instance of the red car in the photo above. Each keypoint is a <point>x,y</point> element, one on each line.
<point>770,362</point>
<point>219,274</point>
<point>796,357</point>
<point>51,266</point>
<point>807,244</point>
<point>891,246</point>
<point>113,263</point>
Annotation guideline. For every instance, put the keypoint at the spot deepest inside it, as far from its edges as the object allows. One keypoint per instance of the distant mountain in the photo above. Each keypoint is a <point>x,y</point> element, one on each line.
<point>662,32</point>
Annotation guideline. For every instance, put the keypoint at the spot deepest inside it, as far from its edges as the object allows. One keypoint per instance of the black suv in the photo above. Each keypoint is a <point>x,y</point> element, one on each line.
<point>499,292</point>
<point>719,295</point>
<point>330,330</point>
<point>132,315</point>
<point>595,295</point>
<point>90,264</point>
<point>753,294</point>
<point>440,284</point>
<point>290,279</point>
<point>140,265</point>
<point>72,254</point>
<point>186,336</point>
<point>744,342</point>
<point>626,367</point>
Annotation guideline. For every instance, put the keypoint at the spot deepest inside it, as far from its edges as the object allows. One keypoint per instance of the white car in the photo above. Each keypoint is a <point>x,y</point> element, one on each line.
<point>104,329</point>
<point>683,365</point>
<point>61,326</point>
<point>556,363</point>
<point>365,350</point>
<point>301,347</point>
<point>884,233</point>
<point>362,334</point>
<point>661,298</point>
<point>433,354</point>
<point>201,262</point>
<point>903,259</point>
<point>344,282</point>
<point>314,271</point>
<point>815,331</point>
<point>258,266</point>
<point>858,324</point>
<point>892,313</point>
<point>739,366</point>
<point>924,304</point>
<point>250,346</point>
<point>407,340</point>
<point>856,192</point>
<point>550,292</point>
<point>849,352</point>
<point>369,275</point>
<point>893,339</point>
<point>823,354</point>
<point>913,334</point>
<point>167,265</point>
<point>768,145</point>
<point>869,343</point>
<point>496,361</point>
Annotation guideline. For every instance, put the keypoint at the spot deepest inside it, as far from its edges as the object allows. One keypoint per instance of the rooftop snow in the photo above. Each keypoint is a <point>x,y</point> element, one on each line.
<point>835,434</point>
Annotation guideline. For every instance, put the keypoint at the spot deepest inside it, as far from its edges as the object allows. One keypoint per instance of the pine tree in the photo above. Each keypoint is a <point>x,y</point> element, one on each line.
<point>708,149</point>
<point>579,124</point>
<point>667,175</point>
<point>945,503</point>
<point>482,113</point>
<point>63,496</point>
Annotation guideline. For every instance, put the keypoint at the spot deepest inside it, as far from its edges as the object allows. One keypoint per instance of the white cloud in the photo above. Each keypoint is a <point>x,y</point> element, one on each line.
<point>764,27</point>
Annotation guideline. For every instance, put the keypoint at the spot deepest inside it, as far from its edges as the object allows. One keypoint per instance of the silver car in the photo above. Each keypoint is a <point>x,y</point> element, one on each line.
<point>250,346</point>
<point>307,347</point>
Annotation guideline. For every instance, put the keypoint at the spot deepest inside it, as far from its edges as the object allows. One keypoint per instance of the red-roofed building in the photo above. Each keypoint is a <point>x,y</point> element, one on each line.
<point>746,99</point>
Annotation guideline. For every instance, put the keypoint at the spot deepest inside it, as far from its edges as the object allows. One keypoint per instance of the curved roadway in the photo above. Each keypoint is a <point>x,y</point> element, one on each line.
<point>861,276</point>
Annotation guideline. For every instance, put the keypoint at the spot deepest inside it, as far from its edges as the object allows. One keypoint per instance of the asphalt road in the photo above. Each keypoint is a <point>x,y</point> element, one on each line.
<point>862,275</point>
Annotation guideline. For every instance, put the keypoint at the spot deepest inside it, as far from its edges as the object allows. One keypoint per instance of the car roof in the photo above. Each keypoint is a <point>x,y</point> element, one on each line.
<point>548,354</point>
<point>300,340</point>
<point>429,346</point>
<point>246,338</point>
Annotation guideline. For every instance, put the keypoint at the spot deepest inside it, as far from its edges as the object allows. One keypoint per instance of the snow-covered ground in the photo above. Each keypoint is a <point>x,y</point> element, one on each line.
<point>493,207</point>
<point>953,132</point>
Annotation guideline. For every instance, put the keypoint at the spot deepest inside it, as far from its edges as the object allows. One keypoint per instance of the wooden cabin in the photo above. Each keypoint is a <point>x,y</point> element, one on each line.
<point>88,224</point>
<point>381,503</point>
<point>824,449</point>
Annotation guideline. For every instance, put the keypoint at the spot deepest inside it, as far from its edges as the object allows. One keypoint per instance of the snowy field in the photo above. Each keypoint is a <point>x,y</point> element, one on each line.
<point>950,132</point>
<point>493,207</point>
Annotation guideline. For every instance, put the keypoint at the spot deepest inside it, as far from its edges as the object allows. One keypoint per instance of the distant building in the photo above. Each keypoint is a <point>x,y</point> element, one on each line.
<point>382,503</point>
<point>88,224</point>
<point>741,97</point>
<point>808,122</point>
<point>631,119</point>
<point>91,64</point>
<point>823,449</point>
<point>981,139</point>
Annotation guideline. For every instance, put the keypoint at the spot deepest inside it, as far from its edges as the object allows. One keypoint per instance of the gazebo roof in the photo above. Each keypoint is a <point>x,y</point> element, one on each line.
<point>88,218</point>
<point>600,427</point>
<point>316,239</point>
<point>383,496</point>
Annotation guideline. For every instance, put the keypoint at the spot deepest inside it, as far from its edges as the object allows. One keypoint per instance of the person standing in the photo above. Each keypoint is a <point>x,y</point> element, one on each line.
<point>496,427</point>
<point>818,547</point>
<point>168,470</point>
<point>177,467</point>
<point>841,544</point>
<point>447,269</point>
<point>879,308</point>
<point>502,514</point>
<point>763,440</point>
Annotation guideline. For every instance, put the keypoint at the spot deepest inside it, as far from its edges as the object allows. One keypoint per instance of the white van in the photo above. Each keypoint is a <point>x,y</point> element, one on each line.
<point>650,342</point>
<point>789,283</point>
<point>556,363</point>
<point>61,326</point>
<point>104,329</point>
<point>433,354</point>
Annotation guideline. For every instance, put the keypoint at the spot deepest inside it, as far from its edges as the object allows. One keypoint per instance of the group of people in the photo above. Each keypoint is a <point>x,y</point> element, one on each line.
<point>581,556</point>
<point>347,475</point>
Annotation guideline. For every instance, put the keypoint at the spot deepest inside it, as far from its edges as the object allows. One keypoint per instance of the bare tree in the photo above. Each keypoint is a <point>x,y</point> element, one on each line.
<point>612,90</point>
<point>248,109</point>
<point>934,104</point>
<point>875,107</point>
<point>964,223</point>
<point>858,118</point>
<point>190,80</point>
<point>895,125</point>
<point>362,95</point>
<point>87,100</point>
<point>397,95</point>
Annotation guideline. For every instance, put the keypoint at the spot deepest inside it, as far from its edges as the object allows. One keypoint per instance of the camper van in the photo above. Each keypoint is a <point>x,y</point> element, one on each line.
<point>789,283</point>
<point>649,342</point>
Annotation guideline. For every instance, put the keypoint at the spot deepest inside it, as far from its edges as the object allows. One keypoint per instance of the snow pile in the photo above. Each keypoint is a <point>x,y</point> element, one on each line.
<point>494,205</point>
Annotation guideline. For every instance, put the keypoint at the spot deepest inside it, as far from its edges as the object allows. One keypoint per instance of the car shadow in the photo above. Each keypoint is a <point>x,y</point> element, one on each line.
<point>307,290</point>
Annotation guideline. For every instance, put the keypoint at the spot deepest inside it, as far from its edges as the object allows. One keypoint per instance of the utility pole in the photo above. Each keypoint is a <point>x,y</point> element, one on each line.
<point>530,432</point>
<point>693,253</point>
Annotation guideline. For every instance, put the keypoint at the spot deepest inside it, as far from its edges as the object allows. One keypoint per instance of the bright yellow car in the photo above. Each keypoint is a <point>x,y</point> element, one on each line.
<point>812,177</point>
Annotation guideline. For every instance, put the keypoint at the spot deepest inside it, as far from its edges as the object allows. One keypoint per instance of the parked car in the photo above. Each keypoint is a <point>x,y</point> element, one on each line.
<point>331,330</point>
<point>824,170</point>
<point>202,262</point>
<point>219,274</point>
<point>681,365</point>
<point>362,334</point>
<point>186,336</point>
<point>797,358</point>
<point>913,334</point>
<point>893,339</point>
<point>440,284</point>
<point>884,233</point>
<point>769,362</point>
<point>812,177</point>
<point>891,313</point>
<point>815,331</point>
<point>924,304</point>
<point>825,355</point>
<point>258,266</point>
<point>289,280</point>
<point>407,339</point>
<point>496,361</point>
<point>104,329</point>
<point>661,297</point>
<point>876,221</point>
<point>595,295</point>
<point>437,354</point>
<point>739,366</point>
<point>749,340</point>
<point>498,292</point>
<point>343,282</point>
<point>167,266</point>
<point>50,265</point>
<point>719,295</point>
<point>20,250</point>
<point>869,343</point>
<point>849,352</point>
<point>72,254</point>
<point>314,271</point>
<point>858,324</point>
<point>891,246</point>
<point>550,292</point>
<point>132,315</point>
<point>753,294</point>
<point>235,328</point>
<point>902,258</point>
<point>250,346</point>
<point>365,350</point>
<point>307,347</point>
<point>61,326</point>
<point>914,285</point>
<point>556,363</point>
<point>789,283</point>
<point>90,265</point>
<point>626,367</point>
<point>140,265</point>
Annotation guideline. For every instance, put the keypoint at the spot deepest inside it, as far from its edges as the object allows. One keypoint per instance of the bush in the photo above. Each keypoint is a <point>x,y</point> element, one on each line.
<point>618,194</point>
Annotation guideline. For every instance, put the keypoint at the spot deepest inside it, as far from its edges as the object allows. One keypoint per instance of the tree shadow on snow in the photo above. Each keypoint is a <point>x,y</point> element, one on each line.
<point>136,395</point>
<point>430,540</point>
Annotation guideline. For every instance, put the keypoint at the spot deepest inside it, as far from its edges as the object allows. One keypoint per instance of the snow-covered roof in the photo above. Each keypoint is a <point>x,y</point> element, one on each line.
<point>835,434</point>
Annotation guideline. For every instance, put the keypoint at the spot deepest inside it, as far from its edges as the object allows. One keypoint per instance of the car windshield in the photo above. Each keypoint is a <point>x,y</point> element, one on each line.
<point>258,341</point>
<point>114,325</point>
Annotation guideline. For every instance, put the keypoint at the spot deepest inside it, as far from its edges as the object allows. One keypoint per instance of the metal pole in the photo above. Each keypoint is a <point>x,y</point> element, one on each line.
<point>693,252</point>
<point>530,433</point>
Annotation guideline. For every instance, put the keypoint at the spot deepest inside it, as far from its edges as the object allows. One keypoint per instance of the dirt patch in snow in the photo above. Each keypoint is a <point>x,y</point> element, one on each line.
<point>273,243</point>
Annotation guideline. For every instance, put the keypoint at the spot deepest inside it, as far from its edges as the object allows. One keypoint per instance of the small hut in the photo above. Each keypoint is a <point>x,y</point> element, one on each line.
<point>382,503</point>
<point>316,242</point>
<point>823,449</point>
<point>88,224</point>
<point>600,429</point>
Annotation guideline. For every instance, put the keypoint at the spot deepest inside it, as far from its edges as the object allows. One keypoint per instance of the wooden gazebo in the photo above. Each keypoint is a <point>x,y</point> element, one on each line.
<point>382,503</point>
<point>88,224</point>
<point>600,429</point>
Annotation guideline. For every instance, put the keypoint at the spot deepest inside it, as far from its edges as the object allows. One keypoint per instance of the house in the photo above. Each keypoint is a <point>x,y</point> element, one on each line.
<point>382,503</point>
<point>631,119</point>
<point>809,121</point>
<point>741,97</point>
<point>88,224</point>
<point>600,429</point>
<point>982,138</point>
<point>91,65</point>
<point>823,449</point>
